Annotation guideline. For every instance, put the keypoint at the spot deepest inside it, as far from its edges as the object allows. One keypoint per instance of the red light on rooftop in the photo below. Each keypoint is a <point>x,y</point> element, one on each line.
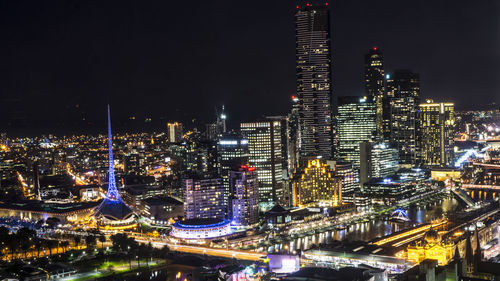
<point>297,6</point>
<point>293,97</point>
<point>326,4</point>
<point>375,48</point>
<point>307,4</point>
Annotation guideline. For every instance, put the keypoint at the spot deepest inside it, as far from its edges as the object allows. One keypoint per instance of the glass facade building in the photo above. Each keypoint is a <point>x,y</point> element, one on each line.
<point>356,123</point>
<point>265,146</point>
<point>375,83</point>
<point>403,98</point>
<point>437,122</point>
<point>314,91</point>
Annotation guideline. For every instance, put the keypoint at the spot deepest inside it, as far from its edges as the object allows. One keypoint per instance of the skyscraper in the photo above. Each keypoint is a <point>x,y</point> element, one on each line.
<point>175,132</point>
<point>438,127</point>
<point>243,198</point>
<point>232,152</point>
<point>265,147</point>
<point>377,160</point>
<point>403,98</point>
<point>356,123</point>
<point>314,91</point>
<point>374,83</point>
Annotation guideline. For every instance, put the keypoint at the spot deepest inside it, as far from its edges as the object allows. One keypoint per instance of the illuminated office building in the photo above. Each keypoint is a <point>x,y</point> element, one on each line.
<point>204,198</point>
<point>437,122</point>
<point>349,178</point>
<point>317,185</point>
<point>403,97</point>
<point>175,132</point>
<point>244,194</point>
<point>356,123</point>
<point>265,146</point>
<point>232,152</point>
<point>377,160</point>
<point>374,83</point>
<point>314,91</point>
<point>215,130</point>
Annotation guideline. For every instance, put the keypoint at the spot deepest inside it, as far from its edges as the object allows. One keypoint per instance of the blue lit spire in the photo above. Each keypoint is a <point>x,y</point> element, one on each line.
<point>112,194</point>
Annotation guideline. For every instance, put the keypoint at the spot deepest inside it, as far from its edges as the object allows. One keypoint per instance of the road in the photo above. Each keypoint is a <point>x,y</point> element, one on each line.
<point>225,253</point>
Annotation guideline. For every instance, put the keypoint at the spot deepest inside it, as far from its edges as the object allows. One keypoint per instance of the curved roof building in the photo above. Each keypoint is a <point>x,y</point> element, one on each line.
<point>201,228</point>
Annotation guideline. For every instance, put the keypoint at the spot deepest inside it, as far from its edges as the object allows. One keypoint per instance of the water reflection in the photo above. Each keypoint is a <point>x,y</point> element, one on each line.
<point>373,229</point>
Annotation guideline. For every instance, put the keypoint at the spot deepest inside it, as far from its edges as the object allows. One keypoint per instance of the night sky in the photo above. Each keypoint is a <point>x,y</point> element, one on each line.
<point>62,61</point>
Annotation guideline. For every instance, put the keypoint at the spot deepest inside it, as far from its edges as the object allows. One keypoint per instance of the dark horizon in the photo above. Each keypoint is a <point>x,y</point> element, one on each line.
<point>63,61</point>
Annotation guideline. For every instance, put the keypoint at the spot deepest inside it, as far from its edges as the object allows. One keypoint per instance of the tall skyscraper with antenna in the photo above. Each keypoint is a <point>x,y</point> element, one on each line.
<point>375,84</point>
<point>314,85</point>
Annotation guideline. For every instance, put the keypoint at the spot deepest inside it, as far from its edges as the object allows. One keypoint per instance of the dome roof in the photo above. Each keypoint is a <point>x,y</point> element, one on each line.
<point>432,237</point>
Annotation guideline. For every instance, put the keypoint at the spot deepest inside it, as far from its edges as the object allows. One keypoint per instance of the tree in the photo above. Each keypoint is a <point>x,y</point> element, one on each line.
<point>65,245</point>
<point>13,244</point>
<point>102,239</point>
<point>77,239</point>
<point>50,245</point>
<point>38,247</point>
<point>26,239</point>
<point>91,241</point>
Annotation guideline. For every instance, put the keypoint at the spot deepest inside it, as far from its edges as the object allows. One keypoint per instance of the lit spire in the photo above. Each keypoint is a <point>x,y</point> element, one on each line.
<point>112,193</point>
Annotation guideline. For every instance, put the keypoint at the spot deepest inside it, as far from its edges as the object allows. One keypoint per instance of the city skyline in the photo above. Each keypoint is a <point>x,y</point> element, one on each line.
<point>118,58</point>
<point>249,141</point>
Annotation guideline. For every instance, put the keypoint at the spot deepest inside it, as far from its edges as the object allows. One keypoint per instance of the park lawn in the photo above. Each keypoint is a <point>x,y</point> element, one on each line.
<point>119,267</point>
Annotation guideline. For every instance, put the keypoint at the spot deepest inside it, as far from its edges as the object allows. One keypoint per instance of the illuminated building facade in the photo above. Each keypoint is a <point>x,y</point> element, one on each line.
<point>378,160</point>
<point>403,98</point>
<point>244,196</point>
<point>232,152</point>
<point>204,198</point>
<point>200,155</point>
<point>314,91</point>
<point>396,188</point>
<point>431,247</point>
<point>374,83</point>
<point>175,132</point>
<point>349,178</point>
<point>438,128</point>
<point>201,229</point>
<point>317,185</point>
<point>356,123</point>
<point>265,148</point>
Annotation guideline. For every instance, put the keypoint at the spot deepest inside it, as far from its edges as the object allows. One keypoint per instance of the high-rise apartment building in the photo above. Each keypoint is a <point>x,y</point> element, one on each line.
<point>437,122</point>
<point>375,83</point>
<point>356,123</point>
<point>265,146</point>
<point>377,160</point>
<point>314,89</point>
<point>403,98</point>
<point>317,185</point>
<point>232,152</point>
<point>175,132</point>
<point>204,198</point>
<point>244,194</point>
